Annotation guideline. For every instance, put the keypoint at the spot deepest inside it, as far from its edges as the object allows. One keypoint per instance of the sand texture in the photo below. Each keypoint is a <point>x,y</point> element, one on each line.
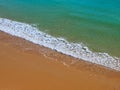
<point>26,66</point>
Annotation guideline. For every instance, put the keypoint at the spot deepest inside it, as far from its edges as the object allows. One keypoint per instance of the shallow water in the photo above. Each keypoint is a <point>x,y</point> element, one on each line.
<point>92,22</point>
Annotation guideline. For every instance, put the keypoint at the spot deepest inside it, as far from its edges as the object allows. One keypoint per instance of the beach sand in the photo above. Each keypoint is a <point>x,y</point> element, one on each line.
<point>26,66</point>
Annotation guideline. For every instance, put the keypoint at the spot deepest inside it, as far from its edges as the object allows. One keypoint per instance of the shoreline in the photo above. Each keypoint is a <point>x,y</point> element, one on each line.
<point>24,65</point>
<point>76,50</point>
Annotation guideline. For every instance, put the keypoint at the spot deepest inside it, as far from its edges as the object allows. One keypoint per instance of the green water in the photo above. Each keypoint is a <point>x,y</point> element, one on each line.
<point>96,23</point>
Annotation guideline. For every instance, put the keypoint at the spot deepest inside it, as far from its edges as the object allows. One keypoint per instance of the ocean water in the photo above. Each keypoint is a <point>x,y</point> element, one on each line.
<point>87,29</point>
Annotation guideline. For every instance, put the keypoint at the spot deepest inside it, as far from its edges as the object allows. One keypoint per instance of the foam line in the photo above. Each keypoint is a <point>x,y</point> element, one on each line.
<point>76,50</point>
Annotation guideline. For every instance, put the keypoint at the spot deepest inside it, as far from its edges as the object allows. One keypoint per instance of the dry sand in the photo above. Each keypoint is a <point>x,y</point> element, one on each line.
<point>26,66</point>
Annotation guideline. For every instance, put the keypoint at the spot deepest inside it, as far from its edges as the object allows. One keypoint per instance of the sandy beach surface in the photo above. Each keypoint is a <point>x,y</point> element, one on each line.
<point>26,66</point>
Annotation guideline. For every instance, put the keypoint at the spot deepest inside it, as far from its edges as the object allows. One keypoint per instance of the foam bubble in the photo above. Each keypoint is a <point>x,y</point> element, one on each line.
<point>76,50</point>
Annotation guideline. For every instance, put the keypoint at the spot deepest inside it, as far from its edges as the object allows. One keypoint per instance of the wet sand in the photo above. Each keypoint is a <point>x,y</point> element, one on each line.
<point>26,66</point>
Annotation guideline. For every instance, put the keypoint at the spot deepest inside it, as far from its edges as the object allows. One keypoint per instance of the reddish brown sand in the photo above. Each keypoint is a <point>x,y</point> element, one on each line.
<point>25,66</point>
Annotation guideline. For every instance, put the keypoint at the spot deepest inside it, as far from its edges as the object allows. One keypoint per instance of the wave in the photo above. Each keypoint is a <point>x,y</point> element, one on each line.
<point>76,50</point>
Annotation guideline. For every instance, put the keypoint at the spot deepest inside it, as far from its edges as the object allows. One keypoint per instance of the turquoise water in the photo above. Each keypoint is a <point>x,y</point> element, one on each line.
<point>96,23</point>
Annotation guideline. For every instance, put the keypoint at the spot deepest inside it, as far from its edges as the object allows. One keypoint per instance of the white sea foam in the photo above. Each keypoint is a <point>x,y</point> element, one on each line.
<point>79,51</point>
